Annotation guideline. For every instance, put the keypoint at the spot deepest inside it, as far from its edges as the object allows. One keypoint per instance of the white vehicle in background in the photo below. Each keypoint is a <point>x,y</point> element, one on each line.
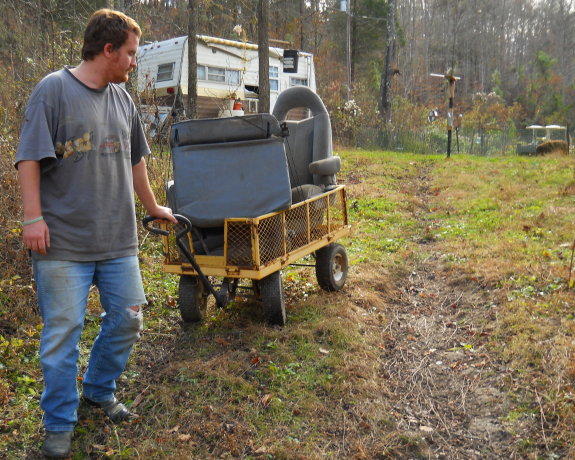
<point>227,76</point>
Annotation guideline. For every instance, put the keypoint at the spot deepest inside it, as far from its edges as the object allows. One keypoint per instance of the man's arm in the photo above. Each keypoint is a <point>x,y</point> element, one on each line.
<point>36,235</point>
<point>144,192</point>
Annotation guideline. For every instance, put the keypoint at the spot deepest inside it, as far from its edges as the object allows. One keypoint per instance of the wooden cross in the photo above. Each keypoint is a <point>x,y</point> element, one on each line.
<point>451,79</point>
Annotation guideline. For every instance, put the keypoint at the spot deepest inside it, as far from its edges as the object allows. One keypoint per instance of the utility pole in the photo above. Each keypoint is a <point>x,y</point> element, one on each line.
<point>451,79</point>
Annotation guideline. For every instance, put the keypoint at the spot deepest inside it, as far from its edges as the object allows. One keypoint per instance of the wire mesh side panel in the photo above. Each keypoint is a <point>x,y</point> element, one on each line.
<point>337,217</point>
<point>271,238</point>
<point>285,231</point>
<point>239,244</point>
<point>318,218</point>
<point>296,227</point>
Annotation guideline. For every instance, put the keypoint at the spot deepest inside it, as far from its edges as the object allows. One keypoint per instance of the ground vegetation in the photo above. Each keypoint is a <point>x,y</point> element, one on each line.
<point>453,337</point>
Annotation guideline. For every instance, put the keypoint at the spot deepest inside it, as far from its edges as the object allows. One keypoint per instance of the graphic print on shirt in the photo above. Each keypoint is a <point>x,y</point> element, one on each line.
<point>78,148</point>
<point>75,148</point>
<point>110,146</point>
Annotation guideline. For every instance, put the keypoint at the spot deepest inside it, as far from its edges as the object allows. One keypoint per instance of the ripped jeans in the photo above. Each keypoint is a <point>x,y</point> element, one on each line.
<point>63,289</point>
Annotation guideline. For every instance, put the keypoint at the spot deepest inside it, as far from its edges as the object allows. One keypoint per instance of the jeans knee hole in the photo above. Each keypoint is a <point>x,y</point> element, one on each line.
<point>136,317</point>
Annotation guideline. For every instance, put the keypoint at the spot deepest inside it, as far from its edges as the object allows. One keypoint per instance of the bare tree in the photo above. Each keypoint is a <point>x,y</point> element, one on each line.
<point>192,97</point>
<point>263,56</point>
<point>302,13</point>
<point>387,74</point>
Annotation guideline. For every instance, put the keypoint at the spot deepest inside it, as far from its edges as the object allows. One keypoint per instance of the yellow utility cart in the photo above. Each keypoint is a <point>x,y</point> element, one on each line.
<point>252,195</point>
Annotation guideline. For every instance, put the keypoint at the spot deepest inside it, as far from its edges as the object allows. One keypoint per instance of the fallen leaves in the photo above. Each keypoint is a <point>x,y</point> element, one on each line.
<point>222,341</point>
<point>265,400</point>
<point>138,399</point>
<point>181,437</point>
<point>184,437</point>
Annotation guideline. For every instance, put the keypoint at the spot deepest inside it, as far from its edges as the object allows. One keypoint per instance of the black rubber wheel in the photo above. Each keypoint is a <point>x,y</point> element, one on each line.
<point>193,299</point>
<point>272,297</point>
<point>331,266</point>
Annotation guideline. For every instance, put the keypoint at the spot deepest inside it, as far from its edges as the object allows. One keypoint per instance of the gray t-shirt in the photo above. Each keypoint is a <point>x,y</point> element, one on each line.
<point>86,141</point>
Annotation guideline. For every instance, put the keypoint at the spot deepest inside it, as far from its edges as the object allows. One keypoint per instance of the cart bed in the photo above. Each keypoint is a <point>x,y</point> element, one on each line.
<point>255,247</point>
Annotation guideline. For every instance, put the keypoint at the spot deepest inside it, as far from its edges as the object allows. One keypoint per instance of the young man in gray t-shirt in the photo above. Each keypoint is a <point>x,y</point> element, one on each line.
<point>80,159</point>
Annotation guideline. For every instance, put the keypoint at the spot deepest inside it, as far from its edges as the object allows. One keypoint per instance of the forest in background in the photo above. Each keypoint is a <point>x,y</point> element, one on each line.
<point>516,57</point>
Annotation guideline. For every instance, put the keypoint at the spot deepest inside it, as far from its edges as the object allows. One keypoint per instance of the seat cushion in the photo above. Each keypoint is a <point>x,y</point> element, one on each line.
<point>304,192</point>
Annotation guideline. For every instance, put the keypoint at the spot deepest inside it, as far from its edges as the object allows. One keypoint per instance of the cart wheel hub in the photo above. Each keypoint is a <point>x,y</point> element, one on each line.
<point>337,268</point>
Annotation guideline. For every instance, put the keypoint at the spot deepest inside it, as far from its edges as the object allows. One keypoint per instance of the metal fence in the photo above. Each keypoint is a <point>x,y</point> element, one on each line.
<point>432,141</point>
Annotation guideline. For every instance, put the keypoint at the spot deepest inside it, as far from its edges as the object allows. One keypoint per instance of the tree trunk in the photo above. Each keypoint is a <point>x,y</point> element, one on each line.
<point>302,15</point>
<point>263,56</point>
<point>387,74</point>
<point>192,96</point>
<point>126,6</point>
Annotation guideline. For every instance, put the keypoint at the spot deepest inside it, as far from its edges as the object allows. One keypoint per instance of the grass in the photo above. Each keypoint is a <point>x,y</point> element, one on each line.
<point>233,387</point>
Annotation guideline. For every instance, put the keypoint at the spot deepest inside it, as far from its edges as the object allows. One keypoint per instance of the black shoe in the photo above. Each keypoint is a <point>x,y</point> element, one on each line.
<point>57,444</point>
<point>115,410</point>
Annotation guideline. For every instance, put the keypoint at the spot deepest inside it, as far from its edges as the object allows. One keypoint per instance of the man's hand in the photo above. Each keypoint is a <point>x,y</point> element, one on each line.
<point>163,213</point>
<point>144,192</point>
<point>36,237</point>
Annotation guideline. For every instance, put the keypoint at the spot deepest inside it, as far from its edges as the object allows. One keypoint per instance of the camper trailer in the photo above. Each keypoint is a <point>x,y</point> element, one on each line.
<point>227,75</point>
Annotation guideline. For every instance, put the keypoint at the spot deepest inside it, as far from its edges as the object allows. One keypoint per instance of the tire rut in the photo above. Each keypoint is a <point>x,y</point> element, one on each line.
<point>447,386</point>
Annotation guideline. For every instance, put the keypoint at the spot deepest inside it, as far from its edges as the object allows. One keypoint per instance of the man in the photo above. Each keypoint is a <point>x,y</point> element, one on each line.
<point>80,158</point>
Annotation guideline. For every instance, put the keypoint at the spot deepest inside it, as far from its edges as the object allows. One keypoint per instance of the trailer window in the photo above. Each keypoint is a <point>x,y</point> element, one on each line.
<point>216,74</point>
<point>274,78</point>
<point>233,77</point>
<point>298,81</point>
<point>165,72</point>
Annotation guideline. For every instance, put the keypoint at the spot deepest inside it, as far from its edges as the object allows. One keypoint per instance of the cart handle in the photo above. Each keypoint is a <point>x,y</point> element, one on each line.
<point>158,231</point>
<point>187,228</point>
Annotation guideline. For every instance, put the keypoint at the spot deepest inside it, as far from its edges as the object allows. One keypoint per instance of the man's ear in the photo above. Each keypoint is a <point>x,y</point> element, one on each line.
<point>108,49</point>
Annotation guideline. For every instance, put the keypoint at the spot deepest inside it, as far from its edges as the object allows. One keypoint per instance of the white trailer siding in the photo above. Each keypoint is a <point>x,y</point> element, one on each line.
<point>152,58</point>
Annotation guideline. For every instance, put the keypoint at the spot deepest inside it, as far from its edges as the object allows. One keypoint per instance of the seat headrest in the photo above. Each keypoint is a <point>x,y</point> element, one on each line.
<point>297,96</point>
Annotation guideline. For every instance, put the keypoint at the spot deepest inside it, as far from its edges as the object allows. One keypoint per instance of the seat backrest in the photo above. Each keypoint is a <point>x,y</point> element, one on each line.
<point>309,140</point>
<point>219,180</point>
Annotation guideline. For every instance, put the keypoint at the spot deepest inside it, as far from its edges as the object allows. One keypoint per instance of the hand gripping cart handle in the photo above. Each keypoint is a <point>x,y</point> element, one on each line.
<point>220,301</point>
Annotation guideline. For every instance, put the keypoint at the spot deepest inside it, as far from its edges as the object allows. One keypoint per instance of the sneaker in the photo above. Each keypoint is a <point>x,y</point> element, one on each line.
<point>57,444</point>
<point>115,410</point>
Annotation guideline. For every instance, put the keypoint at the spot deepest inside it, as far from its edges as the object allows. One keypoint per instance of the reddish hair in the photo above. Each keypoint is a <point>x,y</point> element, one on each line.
<point>107,26</point>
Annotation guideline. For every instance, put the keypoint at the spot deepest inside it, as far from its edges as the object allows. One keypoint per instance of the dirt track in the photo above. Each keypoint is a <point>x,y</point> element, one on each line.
<point>445,384</point>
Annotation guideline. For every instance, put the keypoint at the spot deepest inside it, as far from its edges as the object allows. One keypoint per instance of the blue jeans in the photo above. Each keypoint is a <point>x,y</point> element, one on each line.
<point>63,289</point>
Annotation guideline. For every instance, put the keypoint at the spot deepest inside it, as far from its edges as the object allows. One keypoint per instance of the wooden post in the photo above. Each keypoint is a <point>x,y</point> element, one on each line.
<point>451,80</point>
